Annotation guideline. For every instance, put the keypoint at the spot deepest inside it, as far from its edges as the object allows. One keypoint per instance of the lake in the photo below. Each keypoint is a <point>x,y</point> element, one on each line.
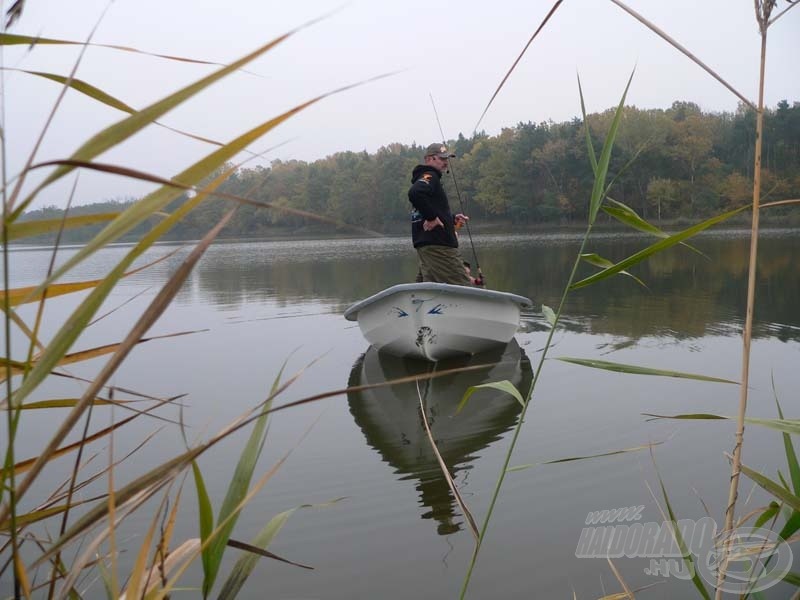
<point>398,532</point>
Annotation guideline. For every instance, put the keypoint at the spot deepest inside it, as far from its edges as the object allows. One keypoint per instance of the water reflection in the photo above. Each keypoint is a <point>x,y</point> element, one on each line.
<point>703,293</point>
<point>391,420</point>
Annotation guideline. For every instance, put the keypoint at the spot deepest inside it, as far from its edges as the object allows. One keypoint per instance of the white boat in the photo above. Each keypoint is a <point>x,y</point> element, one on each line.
<point>433,321</point>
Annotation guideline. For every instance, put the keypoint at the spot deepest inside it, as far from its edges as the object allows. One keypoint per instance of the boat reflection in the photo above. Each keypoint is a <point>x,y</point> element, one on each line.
<point>390,418</point>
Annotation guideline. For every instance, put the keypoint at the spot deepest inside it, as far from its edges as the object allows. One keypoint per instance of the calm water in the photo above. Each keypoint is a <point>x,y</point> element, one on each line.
<point>398,533</point>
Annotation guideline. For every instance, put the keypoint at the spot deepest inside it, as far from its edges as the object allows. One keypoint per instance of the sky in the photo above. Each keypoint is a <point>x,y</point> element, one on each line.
<point>456,51</point>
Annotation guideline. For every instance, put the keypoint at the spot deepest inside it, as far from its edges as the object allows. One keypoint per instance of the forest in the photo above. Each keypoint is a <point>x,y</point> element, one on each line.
<point>671,166</point>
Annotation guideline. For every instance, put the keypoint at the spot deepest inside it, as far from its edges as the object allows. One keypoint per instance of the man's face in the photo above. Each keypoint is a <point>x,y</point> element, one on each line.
<point>438,162</point>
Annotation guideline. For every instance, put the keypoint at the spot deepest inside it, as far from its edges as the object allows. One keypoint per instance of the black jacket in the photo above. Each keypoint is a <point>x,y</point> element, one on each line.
<point>429,201</point>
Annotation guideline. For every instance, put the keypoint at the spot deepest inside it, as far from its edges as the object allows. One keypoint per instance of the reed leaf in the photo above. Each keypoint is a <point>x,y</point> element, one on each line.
<point>676,533</point>
<point>137,575</point>
<point>773,509</point>
<point>657,247</point>
<point>145,322</point>
<point>682,49</point>
<point>587,133</point>
<point>141,488</point>
<point>587,457</point>
<point>121,131</point>
<point>36,515</point>
<point>598,261</point>
<point>599,187</point>
<point>159,199</point>
<point>162,593</point>
<point>10,39</point>
<point>792,578</point>
<point>627,593</point>
<point>637,370</point>
<point>24,295</point>
<point>504,386</point>
<point>549,315</point>
<point>521,54</point>
<point>789,499</point>
<point>237,491</point>
<point>24,465</point>
<point>75,357</point>
<point>623,595</point>
<point>446,471</point>
<point>626,215</point>
<point>247,562</point>
<point>791,456</point>
<point>265,553</point>
<point>65,403</point>
<point>785,425</point>
<point>204,512</point>
<point>23,229</point>
<point>97,94</point>
<point>22,575</point>
<point>79,319</point>
<point>172,183</point>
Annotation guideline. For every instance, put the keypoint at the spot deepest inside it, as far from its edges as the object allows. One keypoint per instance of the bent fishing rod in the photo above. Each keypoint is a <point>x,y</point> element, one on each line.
<point>479,280</point>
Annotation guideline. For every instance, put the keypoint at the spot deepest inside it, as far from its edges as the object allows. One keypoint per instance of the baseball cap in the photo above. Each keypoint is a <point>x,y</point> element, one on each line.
<point>439,150</point>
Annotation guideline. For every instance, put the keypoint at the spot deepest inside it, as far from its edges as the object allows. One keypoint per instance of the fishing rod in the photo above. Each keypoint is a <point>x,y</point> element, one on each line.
<point>479,280</point>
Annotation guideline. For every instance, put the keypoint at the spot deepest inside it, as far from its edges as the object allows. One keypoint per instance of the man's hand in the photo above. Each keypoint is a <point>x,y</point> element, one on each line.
<point>432,224</point>
<point>460,219</point>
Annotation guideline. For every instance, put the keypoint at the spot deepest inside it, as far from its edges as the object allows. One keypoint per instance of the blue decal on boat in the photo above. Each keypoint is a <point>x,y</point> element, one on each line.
<point>400,312</point>
<point>436,310</point>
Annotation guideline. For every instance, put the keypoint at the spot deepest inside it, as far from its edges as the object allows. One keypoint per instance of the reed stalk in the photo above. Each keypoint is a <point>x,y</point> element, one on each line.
<point>763,10</point>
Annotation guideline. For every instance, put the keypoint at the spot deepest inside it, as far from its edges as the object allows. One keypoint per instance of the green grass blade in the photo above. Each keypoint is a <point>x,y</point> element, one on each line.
<point>791,526</point>
<point>121,131</point>
<point>504,386</point>
<point>25,295</point>
<point>791,456</point>
<point>587,457</point>
<point>65,337</point>
<point>598,261</point>
<point>599,188</point>
<point>657,247</point>
<point>97,94</point>
<point>237,491</point>
<point>8,39</point>
<point>549,315</point>
<point>589,146</point>
<point>204,511</point>
<point>773,488</point>
<point>685,554</point>
<point>637,370</point>
<point>159,199</point>
<point>768,514</point>
<point>626,215</point>
<point>84,88</point>
<point>792,578</point>
<point>65,403</point>
<point>785,425</point>
<point>245,565</point>
<point>23,229</point>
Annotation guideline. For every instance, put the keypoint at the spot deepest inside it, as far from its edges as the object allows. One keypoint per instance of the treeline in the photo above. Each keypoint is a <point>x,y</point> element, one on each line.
<point>679,163</point>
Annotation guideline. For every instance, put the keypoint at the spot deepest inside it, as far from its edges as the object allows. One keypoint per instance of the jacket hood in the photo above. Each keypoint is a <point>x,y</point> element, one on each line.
<point>420,170</point>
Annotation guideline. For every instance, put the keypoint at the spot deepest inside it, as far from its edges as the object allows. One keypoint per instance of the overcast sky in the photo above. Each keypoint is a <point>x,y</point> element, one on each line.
<point>458,51</point>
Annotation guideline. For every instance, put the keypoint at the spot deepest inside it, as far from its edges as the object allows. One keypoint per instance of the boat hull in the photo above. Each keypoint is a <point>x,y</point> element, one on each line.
<point>434,321</point>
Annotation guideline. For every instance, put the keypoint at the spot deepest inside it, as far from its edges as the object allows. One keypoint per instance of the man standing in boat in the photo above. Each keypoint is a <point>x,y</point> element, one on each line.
<point>433,226</point>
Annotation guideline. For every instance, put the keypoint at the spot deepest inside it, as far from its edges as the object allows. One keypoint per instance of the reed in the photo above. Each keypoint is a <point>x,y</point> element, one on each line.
<point>601,199</point>
<point>87,539</point>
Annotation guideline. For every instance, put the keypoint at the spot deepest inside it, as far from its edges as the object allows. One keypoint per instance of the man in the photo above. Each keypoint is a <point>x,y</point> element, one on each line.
<point>433,226</point>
